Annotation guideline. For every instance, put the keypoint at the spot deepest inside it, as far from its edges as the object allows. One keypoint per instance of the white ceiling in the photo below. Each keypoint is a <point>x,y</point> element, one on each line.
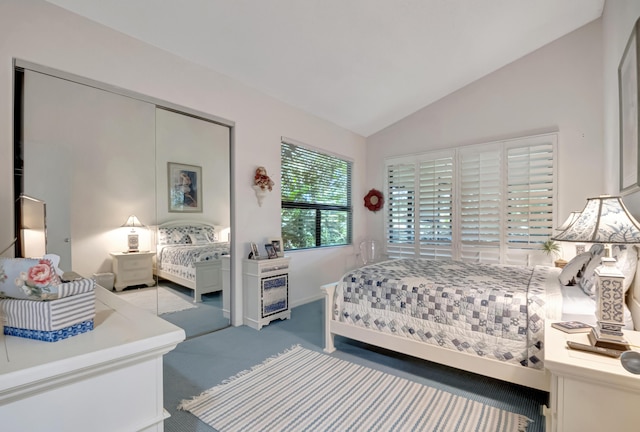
<point>361,64</point>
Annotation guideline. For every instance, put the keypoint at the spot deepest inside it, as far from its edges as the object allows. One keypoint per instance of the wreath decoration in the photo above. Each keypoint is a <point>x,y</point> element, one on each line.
<point>374,200</point>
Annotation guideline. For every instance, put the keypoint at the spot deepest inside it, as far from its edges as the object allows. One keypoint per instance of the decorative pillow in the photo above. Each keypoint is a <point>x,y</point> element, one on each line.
<point>587,283</point>
<point>163,236</point>
<point>626,261</point>
<point>180,237</point>
<point>199,238</point>
<point>572,273</point>
<point>28,279</point>
<point>211,233</point>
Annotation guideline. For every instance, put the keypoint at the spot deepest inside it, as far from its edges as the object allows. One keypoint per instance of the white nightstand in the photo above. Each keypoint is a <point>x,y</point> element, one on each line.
<point>133,268</point>
<point>590,392</point>
<point>266,291</point>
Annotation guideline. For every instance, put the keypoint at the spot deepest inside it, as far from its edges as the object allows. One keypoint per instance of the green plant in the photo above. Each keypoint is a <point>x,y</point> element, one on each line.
<point>550,247</point>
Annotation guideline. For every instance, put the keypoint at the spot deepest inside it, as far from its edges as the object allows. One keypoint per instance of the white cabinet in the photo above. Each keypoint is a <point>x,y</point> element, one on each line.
<point>266,291</point>
<point>108,379</point>
<point>135,268</point>
<point>589,392</point>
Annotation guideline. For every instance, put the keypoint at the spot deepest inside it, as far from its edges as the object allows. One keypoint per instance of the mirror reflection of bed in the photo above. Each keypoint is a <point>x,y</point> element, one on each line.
<point>104,173</point>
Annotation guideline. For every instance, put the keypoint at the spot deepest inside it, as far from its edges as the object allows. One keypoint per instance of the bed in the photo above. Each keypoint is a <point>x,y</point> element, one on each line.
<point>189,254</point>
<point>483,318</point>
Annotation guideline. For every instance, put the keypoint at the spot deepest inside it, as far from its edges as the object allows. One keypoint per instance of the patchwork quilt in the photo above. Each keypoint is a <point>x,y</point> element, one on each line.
<point>493,311</point>
<point>179,259</point>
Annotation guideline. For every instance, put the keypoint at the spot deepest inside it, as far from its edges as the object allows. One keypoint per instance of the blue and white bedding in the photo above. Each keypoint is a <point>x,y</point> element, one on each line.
<point>179,259</point>
<point>492,311</point>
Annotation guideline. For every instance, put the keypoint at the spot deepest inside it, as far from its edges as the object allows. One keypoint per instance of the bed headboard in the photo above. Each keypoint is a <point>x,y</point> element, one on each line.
<point>191,226</point>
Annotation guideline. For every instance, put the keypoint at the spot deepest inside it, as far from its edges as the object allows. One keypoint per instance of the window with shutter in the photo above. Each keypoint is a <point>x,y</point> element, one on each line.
<point>491,202</point>
<point>420,206</point>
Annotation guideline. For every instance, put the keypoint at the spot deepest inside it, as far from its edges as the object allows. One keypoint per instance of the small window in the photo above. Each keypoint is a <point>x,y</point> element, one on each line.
<point>316,198</point>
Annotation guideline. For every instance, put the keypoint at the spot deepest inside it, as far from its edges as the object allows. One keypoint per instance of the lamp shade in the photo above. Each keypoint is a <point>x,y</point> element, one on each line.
<point>571,219</point>
<point>132,222</point>
<point>604,219</point>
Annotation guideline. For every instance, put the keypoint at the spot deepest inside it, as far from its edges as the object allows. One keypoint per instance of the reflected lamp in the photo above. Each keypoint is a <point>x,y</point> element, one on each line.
<point>132,238</point>
<point>606,220</point>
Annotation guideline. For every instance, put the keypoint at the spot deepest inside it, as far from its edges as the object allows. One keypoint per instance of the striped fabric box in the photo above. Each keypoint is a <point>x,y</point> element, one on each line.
<point>76,287</point>
<point>48,315</point>
<point>50,336</point>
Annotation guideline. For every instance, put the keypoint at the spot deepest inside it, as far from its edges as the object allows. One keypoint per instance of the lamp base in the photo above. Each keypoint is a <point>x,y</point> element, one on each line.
<point>133,242</point>
<point>606,341</point>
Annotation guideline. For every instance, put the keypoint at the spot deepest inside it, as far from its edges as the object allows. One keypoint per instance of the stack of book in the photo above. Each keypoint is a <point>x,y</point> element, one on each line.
<point>611,339</point>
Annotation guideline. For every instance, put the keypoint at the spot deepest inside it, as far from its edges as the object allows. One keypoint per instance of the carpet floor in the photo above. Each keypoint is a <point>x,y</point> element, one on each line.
<point>203,362</point>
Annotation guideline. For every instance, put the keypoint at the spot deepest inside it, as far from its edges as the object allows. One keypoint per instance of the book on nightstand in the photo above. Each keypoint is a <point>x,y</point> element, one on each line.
<point>572,326</point>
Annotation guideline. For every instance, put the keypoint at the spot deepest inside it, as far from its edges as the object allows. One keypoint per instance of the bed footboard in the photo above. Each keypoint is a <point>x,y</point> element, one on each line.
<point>329,291</point>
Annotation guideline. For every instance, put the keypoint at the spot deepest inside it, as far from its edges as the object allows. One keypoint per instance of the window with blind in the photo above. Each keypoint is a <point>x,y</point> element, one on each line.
<point>484,203</point>
<point>316,198</point>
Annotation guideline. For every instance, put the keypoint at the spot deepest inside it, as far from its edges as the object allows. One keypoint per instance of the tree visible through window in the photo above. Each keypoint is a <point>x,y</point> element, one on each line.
<point>316,198</point>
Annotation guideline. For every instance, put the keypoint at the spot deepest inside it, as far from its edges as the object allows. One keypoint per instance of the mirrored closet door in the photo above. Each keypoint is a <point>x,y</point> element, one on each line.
<point>137,193</point>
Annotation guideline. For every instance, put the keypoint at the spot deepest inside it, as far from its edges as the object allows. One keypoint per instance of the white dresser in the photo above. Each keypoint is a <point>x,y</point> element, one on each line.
<point>589,392</point>
<point>266,291</point>
<point>109,379</point>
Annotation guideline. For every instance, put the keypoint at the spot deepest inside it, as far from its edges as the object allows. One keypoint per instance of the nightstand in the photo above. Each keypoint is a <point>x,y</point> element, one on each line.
<point>590,392</point>
<point>266,291</point>
<point>133,268</point>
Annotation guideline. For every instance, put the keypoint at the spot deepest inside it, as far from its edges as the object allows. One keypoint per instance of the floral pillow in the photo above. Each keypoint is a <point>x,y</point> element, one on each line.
<point>28,279</point>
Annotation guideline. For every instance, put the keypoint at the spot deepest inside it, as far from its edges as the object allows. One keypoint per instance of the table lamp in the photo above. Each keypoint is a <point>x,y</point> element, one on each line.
<point>606,220</point>
<point>133,222</point>
<point>566,224</point>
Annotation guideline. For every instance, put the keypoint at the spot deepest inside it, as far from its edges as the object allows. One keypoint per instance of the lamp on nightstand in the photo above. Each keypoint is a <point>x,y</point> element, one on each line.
<point>133,222</point>
<point>566,224</point>
<point>606,220</point>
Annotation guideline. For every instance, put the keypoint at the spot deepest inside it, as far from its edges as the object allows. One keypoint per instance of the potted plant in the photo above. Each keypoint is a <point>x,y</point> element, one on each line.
<point>551,248</point>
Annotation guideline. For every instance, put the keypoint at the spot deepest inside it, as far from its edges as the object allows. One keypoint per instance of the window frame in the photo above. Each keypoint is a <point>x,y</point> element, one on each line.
<point>320,208</point>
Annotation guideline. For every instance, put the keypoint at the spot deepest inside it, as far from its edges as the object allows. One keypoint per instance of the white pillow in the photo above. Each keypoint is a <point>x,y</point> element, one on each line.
<point>572,273</point>
<point>587,283</point>
<point>199,238</point>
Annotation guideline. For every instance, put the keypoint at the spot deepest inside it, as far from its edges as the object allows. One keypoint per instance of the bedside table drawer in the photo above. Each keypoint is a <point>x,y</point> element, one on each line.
<point>135,263</point>
<point>133,275</point>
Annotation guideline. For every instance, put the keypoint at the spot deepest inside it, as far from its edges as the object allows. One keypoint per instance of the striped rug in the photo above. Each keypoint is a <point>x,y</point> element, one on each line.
<point>303,390</point>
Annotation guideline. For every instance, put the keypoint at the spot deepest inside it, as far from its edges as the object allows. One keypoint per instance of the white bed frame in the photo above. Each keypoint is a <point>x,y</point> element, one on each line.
<point>208,273</point>
<point>538,379</point>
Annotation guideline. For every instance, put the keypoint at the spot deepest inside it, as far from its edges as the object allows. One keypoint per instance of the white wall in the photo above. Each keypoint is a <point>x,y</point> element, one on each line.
<point>618,19</point>
<point>41,33</point>
<point>558,87</point>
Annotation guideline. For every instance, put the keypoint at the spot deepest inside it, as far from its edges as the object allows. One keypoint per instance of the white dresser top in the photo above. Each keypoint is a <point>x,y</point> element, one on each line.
<point>122,332</point>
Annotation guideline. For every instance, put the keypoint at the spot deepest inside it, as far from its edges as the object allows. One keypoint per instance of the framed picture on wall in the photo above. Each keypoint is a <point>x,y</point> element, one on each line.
<point>629,114</point>
<point>185,188</point>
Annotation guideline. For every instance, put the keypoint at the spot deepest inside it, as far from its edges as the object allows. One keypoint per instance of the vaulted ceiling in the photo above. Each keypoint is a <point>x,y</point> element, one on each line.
<point>361,64</point>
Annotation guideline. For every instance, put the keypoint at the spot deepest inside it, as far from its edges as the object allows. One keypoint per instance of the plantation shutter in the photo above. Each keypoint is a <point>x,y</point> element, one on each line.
<point>480,203</point>
<point>489,203</point>
<point>420,207</point>
<point>530,196</point>
<point>436,208</point>
<point>401,210</point>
